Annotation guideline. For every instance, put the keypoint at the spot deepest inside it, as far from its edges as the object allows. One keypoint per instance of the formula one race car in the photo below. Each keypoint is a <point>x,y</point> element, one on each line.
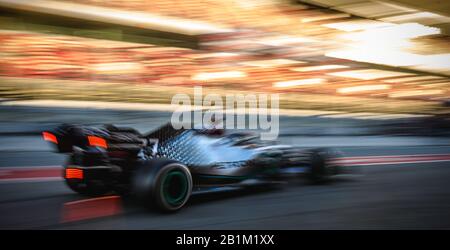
<point>164,167</point>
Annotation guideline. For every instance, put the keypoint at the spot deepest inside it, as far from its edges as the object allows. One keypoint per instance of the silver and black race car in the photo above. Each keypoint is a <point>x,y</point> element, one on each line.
<point>166,166</point>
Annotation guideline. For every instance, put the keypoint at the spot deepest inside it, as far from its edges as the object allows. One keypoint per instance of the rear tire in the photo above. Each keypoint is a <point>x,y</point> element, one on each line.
<point>163,184</point>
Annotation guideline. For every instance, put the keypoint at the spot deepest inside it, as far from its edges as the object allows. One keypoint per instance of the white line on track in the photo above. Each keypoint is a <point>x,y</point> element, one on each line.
<point>6,172</point>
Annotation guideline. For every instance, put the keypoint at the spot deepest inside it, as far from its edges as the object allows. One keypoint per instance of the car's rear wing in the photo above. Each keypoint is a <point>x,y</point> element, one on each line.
<point>66,136</point>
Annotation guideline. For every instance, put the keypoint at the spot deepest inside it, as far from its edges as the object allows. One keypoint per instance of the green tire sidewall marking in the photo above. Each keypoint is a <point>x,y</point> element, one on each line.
<point>168,179</point>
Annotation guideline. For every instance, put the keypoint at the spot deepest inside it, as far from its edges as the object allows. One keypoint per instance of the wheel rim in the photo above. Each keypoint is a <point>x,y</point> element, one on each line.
<point>175,187</point>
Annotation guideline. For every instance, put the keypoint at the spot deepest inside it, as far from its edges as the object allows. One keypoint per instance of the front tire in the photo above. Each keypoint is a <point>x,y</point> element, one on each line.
<point>164,184</point>
<point>319,171</point>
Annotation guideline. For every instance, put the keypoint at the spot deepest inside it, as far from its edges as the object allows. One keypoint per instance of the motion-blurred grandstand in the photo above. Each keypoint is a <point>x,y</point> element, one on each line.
<point>357,56</point>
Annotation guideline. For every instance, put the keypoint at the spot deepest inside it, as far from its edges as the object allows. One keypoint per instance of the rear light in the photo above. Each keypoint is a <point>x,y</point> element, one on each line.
<point>74,173</point>
<point>49,137</point>
<point>97,142</point>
